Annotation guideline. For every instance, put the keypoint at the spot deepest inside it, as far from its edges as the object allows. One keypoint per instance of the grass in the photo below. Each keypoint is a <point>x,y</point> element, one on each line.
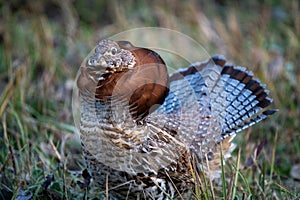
<point>42,46</point>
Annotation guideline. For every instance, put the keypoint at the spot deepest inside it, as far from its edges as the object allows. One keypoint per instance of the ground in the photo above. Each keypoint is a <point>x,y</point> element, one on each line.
<point>42,45</point>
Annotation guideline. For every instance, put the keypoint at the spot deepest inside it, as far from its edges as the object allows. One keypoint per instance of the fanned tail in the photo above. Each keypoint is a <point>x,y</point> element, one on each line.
<point>247,100</point>
<point>218,92</point>
<point>238,99</point>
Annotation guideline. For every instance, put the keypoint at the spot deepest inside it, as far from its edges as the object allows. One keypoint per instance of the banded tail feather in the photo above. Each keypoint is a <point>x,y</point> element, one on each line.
<point>235,97</point>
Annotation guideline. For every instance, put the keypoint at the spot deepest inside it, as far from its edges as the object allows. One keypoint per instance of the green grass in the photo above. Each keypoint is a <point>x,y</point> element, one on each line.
<point>42,46</point>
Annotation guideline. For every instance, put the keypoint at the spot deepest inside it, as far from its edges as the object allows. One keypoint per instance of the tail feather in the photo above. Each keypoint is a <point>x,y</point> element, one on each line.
<point>237,99</point>
<point>223,91</point>
<point>247,123</point>
<point>247,98</point>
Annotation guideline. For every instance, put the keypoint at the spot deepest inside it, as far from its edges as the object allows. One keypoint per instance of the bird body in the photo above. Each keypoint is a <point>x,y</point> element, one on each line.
<point>142,130</point>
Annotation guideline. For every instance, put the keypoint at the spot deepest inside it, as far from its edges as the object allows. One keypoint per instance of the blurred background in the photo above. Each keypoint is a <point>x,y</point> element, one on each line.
<point>43,43</point>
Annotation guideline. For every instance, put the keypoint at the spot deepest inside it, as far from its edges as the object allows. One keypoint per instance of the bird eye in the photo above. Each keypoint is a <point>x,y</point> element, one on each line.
<point>91,62</point>
<point>114,50</point>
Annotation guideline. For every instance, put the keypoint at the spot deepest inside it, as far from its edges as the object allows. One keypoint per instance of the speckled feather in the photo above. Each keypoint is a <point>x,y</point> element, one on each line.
<point>145,150</point>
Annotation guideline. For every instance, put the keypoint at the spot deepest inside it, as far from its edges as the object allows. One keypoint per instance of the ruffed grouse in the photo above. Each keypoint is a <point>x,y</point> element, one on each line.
<point>141,128</point>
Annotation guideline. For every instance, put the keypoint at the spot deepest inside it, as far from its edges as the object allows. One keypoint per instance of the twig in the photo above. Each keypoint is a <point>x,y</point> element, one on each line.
<point>106,187</point>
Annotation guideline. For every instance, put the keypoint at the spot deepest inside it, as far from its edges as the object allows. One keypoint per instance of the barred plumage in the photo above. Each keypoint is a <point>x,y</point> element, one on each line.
<point>140,128</point>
